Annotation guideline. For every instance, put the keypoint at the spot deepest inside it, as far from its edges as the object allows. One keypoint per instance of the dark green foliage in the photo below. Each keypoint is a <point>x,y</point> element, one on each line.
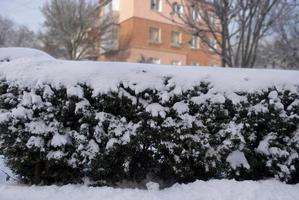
<point>49,136</point>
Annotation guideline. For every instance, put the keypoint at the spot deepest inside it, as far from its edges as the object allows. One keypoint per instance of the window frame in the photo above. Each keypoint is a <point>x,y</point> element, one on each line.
<point>158,33</point>
<point>156,5</point>
<point>179,39</point>
<point>194,13</point>
<point>194,63</point>
<point>212,20</point>
<point>177,9</point>
<point>214,45</point>
<point>152,60</point>
<point>197,42</point>
<point>176,62</point>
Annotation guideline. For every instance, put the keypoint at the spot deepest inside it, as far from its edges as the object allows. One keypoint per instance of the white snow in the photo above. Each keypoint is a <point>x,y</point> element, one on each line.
<point>3,170</point>
<point>31,68</point>
<point>263,146</point>
<point>235,98</point>
<point>35,142</point>
<point>111,142</point>
<point>275,100</point>
<point>55,155</point>
<point>259,108</point>
<point>273,95</point>
<point>156,110</point>
<point>81,105</point>
<point>21,112</point>
<point>152,186</point>
<point>39,127</point>
<point>181,108</point>
<point>48,92</point>
<point>59,140</point>
<point>218,98</point>
<point>199,190</point>
<point>211,96</point>
<point>237,159</point>
<point>75,91</point>
<point>29,98</point>
<point>15,53</point>
<point>92,149</point>
<point>3,116</point>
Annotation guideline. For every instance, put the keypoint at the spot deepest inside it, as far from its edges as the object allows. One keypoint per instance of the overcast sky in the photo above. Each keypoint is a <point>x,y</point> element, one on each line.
<point>23,12</point>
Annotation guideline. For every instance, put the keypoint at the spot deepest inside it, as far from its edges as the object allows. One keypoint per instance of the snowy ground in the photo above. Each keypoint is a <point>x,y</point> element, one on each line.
<point>3,170</point>
<point>199,190</point>
<point>212,190</point>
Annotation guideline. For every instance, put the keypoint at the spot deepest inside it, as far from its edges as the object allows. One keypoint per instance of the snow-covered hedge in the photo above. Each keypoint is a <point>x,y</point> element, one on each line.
<point>63,122</point>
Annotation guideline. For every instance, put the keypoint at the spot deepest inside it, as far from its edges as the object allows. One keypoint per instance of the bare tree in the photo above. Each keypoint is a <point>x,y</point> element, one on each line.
<point>6,28</point>
<point>233,29</point>
<point>14,35</point>
<point>51,47</point>
<point>74,25</point>
<point>24,37</point>
<point>282,50</point>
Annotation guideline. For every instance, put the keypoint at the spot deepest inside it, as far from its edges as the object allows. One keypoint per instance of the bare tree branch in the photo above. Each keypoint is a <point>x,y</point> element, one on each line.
<point>238,26</point>
<point>75,27</point>
<point>17,36</point>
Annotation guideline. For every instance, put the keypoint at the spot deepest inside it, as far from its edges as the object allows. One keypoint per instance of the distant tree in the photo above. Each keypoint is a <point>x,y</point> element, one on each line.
<point>231,29</point>
<point>14,35</point>
<point>24,37</point>
<point>282,50</point>
<point>51,47</point>
<point>75,27</point>
<point>6,28</point>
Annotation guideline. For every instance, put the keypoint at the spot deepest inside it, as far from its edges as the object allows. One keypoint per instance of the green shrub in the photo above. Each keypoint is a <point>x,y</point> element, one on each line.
<point>64,135</point>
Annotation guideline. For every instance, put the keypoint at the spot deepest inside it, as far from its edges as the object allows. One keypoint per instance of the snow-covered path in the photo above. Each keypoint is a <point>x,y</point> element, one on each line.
<point>211,190</point>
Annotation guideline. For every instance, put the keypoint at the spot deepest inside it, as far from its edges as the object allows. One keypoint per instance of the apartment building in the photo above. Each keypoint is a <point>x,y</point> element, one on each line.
<point>149,31</point>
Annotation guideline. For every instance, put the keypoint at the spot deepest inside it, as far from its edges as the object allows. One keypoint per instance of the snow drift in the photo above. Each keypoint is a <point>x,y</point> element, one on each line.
<point>36,68</point>
<point>220,190</point>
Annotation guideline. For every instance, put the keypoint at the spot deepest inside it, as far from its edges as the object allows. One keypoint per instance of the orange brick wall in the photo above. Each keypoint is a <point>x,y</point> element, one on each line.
<point>134,34</point>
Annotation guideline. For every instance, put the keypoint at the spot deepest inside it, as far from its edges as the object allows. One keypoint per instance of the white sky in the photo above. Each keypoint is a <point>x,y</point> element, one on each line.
<point>23,12</point>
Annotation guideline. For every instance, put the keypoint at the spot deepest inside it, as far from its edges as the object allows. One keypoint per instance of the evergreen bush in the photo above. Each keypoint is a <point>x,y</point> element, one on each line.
<point>58,135</point>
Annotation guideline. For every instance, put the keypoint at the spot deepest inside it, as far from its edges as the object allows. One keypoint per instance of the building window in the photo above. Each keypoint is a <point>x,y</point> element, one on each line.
<point>175,38</point>
<point>212,44</point>
<point>176,62</point>
<point>212,20</point>
<point>154,60</point>
<point>194,42</point>
<point>210,1</point>
<point>194,13</point>
<point>177,8</point>
<point>154,35</point>
<point>156,5</point>
<point>194,63</point>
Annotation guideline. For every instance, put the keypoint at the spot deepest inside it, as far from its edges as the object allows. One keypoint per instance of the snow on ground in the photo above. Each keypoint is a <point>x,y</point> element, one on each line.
<point>8,54</point>
<point>3,170</point>
<point>33,67</point>
<point>2,175</point>
<point>199,190</point>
